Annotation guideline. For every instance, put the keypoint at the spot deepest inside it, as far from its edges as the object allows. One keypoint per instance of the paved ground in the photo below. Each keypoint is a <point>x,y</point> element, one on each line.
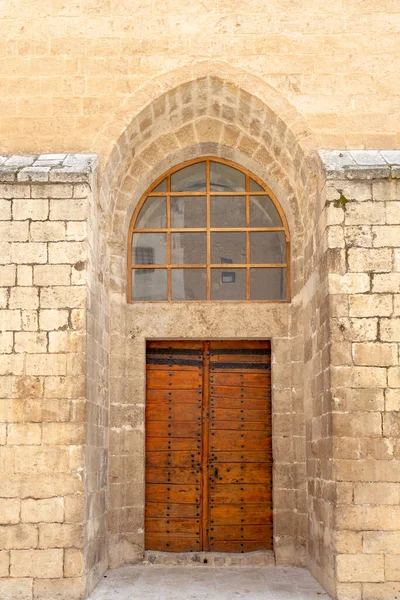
<point>208,583</point>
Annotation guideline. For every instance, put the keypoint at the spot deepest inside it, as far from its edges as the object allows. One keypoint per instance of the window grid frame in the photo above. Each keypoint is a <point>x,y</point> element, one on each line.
<point>208,230</point>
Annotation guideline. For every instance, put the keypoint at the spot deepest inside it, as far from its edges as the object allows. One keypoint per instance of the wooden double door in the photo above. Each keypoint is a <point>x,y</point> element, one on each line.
<point>208,446</point>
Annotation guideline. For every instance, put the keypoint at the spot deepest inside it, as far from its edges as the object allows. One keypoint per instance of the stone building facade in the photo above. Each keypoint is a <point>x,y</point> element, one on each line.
<point>98,101</point>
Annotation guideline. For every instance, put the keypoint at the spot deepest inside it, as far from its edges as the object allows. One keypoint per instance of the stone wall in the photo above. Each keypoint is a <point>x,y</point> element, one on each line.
<point>66,68</point>
<point>46,501</point>
<point>362,205</point>
<point>71,348</point>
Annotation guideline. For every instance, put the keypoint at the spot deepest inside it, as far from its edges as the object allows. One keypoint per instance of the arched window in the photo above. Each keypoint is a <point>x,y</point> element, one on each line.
<point>208,230</point>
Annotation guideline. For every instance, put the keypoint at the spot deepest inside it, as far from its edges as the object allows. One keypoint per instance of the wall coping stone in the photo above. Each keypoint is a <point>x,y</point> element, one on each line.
<point>360,164</point>
<point>47,168</point>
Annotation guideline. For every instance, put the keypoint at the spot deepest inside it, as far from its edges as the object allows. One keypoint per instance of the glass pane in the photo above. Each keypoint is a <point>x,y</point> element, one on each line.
<point>149,284</point>
<point>228,284</point>
<point>162,187</point>
<point>188,211</point>
<point>153,214</point>
<point>267,247</point>
<point>189,284</point>
<point>190,179</point>
<point>149,249</point>
<point>268,284</point>
<point>228,248</point>
<point>254,187</point>
<point>228,211</point>
<point>226,179</point>
<point>188,248</point>
<point>263,212</point>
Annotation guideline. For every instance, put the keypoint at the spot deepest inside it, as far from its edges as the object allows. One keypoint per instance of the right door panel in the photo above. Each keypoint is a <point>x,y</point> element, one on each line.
<point>240,449</point>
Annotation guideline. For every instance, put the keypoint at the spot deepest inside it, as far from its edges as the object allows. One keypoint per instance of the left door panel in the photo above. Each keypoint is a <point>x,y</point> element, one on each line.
<point>173,446</point>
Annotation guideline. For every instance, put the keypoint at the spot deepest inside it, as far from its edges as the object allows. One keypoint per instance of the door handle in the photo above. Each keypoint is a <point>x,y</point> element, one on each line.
<point>216,473</point>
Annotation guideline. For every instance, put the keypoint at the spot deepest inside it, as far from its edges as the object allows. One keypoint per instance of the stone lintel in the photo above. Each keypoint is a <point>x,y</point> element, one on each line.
<point>47,168</point>
<point>360,164</point>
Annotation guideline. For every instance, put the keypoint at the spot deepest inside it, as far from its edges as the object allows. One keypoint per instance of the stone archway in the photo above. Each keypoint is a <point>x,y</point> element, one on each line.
<point>210,116</point>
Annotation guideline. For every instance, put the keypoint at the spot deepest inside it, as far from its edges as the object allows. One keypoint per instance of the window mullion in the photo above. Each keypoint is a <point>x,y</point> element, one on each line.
<point>169,291</point>
<point>208,234</point>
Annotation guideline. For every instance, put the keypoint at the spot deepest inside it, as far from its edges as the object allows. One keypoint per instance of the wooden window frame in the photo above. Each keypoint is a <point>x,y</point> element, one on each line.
<point>208,229</point>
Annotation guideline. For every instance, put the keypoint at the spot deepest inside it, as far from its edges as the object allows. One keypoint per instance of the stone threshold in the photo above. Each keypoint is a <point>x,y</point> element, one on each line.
<point>260,558</point>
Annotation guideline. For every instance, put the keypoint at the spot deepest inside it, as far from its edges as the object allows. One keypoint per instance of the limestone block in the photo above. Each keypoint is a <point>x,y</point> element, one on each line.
<point>29,320</point>
<point>368,470</point>
<point>37,210</point>
<point>368,259</point>
<point>371,305</point>
<point>14,190</point>
<point>10,320</point>
<point>18,537</point>
<point>73,563</point>
<point>61,190</point>
<point>53,319</point>
<point>20,434</point>
<point>74,508</point>
<point>24,297</point>
<point>76,231</point>
<point>28,387</point>
<point>9,511</point>
<point>391,424</point>
<point>65,387</point>
<point>358,236</point>
<point>358,377</point>
<point>30,342</point>
<point>16,589</point>
<point>27,253</point>
<point>365,213</point>
<point>376,493</point>
<point>11,231</point>
<point>335,236</point>
<point>386,282</point>
<point>60,535</point>
<point>375,354</point>
<point>394,377</point>
<point>36,563</point>
<point>24,275</point>
<point>67,252</point>
<point>5,210</point>
<point>361,517</point>
<point>390,330</point>
<point>63,433</point>
<point>348,542</point>
<point>6,342</point>
<point>360,567</point>
<point>67,341</point>
<point>350,283</point>
<point>63,297</point>
<point>388,236</point>
<point>47,231</point>
<point>46,364</point>
<point>356,424</point>
<point>58,589</point>
<point>381,542</point>
<point>392,399</point>
<point>29,485</point>
<point>47,275</point>
<point>381,591</point>
<point>4,564</point>
<point>36,459</point>
<point>349,591</point>
<point>7,275</point>
<point>48,510</point>
<point>68,210</point>
<point>11,364</point>
<point>393,212</point>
